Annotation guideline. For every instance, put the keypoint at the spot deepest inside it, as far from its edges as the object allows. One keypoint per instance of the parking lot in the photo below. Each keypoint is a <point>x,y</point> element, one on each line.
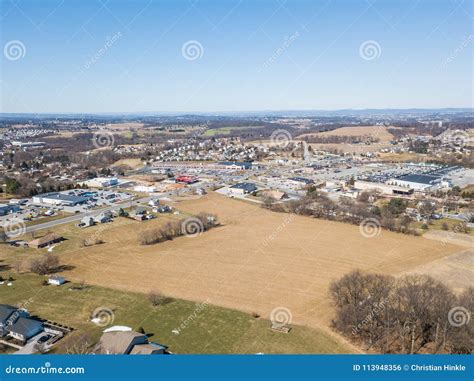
<point>32,212</point>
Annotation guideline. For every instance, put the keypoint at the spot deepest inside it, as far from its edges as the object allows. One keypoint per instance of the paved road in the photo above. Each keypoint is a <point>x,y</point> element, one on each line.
<point>79,216</point>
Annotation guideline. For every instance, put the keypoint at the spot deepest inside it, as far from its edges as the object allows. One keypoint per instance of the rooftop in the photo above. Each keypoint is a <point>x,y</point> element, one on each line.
<point>120,342</point>
<point>237,163</point>
<point>302,180</point>
<point>420,179</point>
<point>45,240</point>
<point>24,326</point>
<point>63,197</point>
<point>5,311</point>
<point>245,186</point>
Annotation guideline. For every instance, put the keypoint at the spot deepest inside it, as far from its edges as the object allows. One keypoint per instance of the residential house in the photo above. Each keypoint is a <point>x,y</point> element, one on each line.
<point>103,218</point>
<point>154,202</point>
<point>163,209</point>
<point>16,322</point>
<point>24,328</point>
<point>45,241</point>
<point>128,342</point>
<point>87,221</point>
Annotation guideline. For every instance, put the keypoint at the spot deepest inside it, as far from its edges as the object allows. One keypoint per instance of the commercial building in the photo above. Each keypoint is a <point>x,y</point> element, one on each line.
<point>302,181</point>
<point>236,164</point>
<point>56,198</point>
<point>28,145</point>
<point>101,182</point>
<point>242,188</point>
<point>382,188</point>
<point>419,183</point>
<point>6,209</point>
<point>144,189</point>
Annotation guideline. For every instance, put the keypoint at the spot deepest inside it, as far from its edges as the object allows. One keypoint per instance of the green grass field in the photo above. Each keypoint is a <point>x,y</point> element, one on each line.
<point>223,130</point>
<point>207,329</point>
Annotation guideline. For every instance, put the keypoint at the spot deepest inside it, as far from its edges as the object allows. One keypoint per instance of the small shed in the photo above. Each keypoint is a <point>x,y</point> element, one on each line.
<point>56,280</point>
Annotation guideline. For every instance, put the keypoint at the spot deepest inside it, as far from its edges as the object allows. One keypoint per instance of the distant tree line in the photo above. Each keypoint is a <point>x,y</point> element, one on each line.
<point>389,216</point>
<point>413,314</point>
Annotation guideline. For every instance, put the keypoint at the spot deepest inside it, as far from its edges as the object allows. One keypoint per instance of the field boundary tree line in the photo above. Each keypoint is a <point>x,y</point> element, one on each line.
<point>390,216</point>
<point>190,226</point>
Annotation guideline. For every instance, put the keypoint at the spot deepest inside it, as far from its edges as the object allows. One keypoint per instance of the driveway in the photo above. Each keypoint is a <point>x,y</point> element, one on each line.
<point>29,348</point>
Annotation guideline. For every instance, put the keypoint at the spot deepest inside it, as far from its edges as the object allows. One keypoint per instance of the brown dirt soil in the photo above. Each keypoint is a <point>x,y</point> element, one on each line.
<point>257,261</point>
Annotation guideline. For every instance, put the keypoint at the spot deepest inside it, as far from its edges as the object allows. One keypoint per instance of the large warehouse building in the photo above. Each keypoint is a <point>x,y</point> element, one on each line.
<point>382,188</point>
<point>58,199</point>
<point>419,183</point>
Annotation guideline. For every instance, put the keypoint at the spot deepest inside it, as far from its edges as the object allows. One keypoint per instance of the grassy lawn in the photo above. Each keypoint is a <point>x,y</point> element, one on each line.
<point>207,329</point>
<point>44,219</point>
<point>437,225</point>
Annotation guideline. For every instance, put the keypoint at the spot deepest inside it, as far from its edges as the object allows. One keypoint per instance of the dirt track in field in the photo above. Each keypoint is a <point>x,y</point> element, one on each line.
<point>257,261</point>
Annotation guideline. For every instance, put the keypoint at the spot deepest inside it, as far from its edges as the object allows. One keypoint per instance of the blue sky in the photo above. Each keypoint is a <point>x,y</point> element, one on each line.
<point>131,56</point>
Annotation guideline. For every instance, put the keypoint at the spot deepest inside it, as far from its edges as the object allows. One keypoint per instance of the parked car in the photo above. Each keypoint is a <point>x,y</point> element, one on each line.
<point>44,339</point>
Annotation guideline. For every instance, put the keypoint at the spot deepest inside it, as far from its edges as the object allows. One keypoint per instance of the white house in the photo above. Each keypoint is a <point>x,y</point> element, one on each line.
<point>154,202</point>
<point>87,221</point>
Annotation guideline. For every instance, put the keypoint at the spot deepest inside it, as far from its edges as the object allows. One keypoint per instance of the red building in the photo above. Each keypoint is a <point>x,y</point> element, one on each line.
<point>186,179</point>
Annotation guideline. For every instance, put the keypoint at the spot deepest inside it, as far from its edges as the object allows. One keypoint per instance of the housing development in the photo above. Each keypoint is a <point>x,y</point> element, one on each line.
<point>235,234</point>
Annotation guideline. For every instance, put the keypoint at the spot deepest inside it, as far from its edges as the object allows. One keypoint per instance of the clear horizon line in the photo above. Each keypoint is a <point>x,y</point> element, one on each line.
<point>235,112</point>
